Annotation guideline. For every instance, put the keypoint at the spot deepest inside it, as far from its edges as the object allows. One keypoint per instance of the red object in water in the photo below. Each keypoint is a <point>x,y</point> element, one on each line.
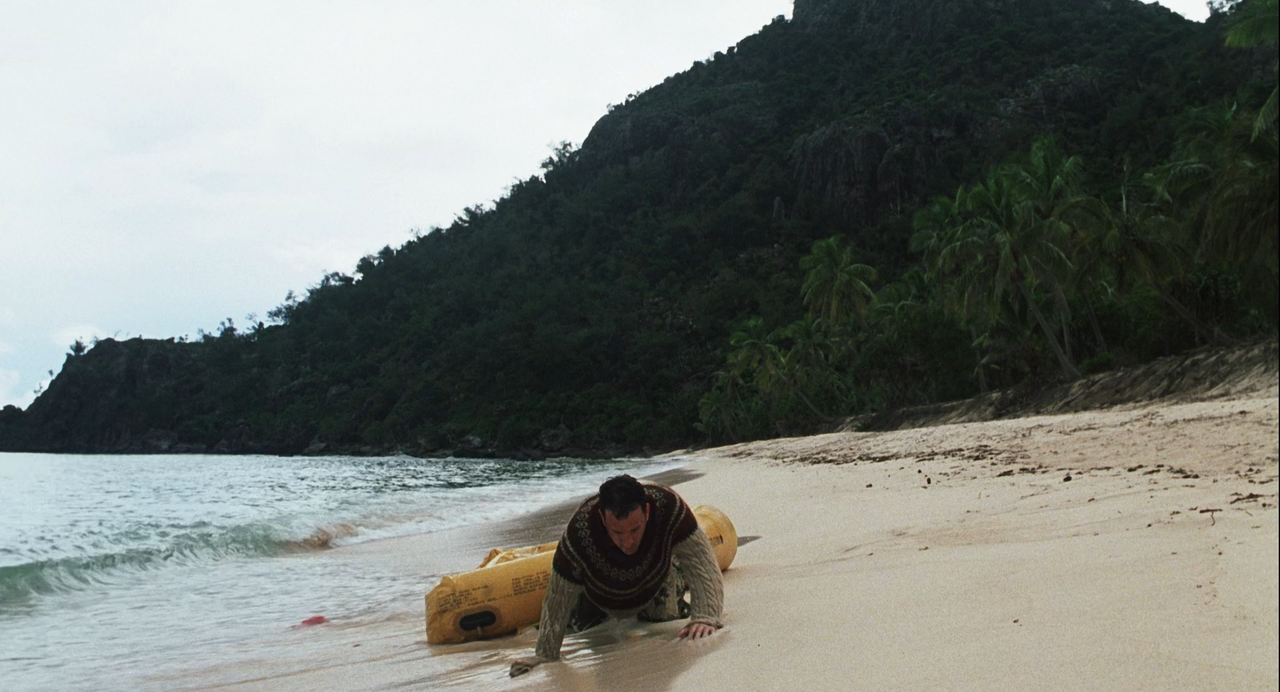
<point>315,620</point>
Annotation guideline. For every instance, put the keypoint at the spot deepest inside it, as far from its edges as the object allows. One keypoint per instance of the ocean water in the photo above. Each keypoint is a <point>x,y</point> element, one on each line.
<point>165,572</point>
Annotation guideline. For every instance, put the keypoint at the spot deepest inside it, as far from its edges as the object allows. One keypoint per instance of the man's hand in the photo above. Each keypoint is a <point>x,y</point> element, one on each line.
<point>696,630</point>
<point>524,665</point>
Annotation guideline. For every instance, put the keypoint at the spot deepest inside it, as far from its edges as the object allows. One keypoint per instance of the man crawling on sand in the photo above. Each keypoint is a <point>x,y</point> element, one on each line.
<point>631,551</point>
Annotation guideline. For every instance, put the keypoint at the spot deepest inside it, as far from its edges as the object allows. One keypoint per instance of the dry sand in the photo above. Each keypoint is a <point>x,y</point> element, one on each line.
<point>1114,550</point>
<point>1123,549</point>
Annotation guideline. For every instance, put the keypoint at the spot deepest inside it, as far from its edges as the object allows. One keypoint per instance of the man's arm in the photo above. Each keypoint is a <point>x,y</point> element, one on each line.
<point>706,585</point>
<point>561,596</point>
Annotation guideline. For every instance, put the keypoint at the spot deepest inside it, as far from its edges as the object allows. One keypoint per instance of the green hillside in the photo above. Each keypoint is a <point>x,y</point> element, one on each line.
<point>1042,190</point>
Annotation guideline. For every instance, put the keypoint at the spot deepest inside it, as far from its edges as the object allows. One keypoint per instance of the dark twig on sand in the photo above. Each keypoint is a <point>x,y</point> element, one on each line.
<point>1210,512</point>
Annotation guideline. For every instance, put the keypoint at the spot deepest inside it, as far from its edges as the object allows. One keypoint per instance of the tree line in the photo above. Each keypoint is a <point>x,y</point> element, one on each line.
<point>1037,272</point>
<point>673,279</point>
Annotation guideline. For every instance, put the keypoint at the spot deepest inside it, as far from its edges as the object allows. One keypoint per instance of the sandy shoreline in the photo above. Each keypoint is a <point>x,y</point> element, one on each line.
<point>1132,550</point>
<point>1122,549</point>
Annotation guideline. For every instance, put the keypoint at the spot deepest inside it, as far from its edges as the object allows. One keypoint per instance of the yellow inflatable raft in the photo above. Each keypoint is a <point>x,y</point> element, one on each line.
<point>505,592</point>
<point>724,538</point>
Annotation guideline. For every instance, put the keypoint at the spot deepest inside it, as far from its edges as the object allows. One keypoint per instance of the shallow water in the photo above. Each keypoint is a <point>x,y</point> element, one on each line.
<point>128,572</point>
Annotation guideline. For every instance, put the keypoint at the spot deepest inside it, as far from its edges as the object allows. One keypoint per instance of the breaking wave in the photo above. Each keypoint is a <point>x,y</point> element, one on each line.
<point>185,546</point>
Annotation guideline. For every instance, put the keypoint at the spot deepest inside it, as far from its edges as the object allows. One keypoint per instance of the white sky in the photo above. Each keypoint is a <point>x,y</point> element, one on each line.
<point>166,165</point>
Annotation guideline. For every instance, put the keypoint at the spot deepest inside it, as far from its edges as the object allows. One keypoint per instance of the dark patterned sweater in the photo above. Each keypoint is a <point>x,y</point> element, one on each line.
<point>612,579</point>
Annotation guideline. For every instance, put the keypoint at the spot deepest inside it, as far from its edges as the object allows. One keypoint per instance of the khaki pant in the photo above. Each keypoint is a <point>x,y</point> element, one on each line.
<point>667,604</point>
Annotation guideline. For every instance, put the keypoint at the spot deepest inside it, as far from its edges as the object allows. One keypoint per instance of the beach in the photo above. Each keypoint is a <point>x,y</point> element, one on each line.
<point>1130,548</point>
<point>163,572</point>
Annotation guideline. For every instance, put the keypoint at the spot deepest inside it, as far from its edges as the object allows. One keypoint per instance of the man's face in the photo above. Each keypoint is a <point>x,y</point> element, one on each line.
<point>627,530</point>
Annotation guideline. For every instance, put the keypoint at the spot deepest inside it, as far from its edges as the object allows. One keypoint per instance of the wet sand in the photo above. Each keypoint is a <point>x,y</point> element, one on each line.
<point>1127,549</point>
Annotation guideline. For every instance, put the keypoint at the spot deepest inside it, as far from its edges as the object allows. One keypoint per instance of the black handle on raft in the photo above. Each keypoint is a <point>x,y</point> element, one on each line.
<point>474,621</point>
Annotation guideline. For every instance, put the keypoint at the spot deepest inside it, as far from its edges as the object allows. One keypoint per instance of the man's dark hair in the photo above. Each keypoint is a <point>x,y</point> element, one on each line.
<point>621,495</point>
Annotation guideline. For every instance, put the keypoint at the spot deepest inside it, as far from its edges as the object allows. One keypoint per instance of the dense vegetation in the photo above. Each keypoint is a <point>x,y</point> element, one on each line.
<point>873,205</point>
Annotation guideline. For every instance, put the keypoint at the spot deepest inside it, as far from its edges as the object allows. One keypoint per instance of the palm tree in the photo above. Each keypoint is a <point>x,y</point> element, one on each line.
<point>1255,25</point>
<point>1004,250</point>
<point>1050,181</point>
<point>754,352</point>
<point>1183,184</point>
<point>836,284</point>
<point>1136,241</point>
<point>1241,216</point>
<point>939,229</point>
<point>808,361</point>
<point>894,357</point>
<point>774,374</point>
<point>721,409</point>
<point>934,223</point>
<point>810,350</point>
<point>1222,187</point>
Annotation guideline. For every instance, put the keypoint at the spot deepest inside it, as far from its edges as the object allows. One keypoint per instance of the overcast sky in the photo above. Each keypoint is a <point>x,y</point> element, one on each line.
<point>165,165</point>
